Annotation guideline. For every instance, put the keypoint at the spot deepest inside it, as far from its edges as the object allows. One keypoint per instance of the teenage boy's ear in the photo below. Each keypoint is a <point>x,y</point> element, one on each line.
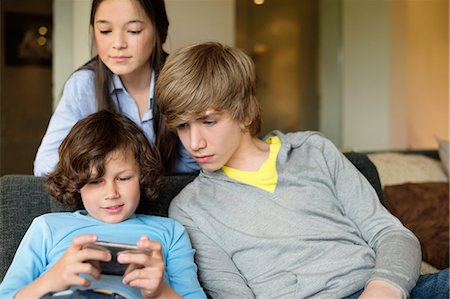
<point>245,124</point>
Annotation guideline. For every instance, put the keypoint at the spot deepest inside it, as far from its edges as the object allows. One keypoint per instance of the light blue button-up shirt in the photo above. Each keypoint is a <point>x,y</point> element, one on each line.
<point>78,101</point>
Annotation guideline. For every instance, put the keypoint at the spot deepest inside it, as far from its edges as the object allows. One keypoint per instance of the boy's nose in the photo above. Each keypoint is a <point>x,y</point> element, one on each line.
<point>111,191</point>
<point>197,141</point>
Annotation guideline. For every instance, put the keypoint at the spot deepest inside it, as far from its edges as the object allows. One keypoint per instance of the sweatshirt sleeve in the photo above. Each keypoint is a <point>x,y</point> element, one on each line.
<point>398,253</point>
<point>218,274</point>
<point>30,259</point>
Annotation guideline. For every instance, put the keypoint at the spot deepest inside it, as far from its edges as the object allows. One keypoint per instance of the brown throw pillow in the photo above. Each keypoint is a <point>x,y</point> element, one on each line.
<point>424,209</point>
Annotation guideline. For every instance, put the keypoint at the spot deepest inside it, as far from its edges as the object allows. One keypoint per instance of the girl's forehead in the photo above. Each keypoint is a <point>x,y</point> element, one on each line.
<point>115,10</point>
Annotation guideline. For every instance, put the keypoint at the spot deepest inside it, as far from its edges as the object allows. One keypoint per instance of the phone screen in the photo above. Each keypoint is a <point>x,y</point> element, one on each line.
<point>113,267</point>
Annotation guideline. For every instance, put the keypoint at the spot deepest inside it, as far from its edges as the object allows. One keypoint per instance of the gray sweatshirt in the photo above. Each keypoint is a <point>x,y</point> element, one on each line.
<point>323,232</point>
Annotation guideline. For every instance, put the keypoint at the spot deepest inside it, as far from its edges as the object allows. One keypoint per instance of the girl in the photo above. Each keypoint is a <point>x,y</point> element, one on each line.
<point>128,35</point>
<point>106,165</point>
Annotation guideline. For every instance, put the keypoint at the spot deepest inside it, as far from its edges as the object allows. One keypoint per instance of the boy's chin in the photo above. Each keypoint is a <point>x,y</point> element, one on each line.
<point>210,168</point>
<point>110,219</point>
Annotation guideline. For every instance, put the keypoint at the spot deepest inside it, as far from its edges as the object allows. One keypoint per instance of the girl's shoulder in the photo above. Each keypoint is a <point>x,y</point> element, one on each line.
<point>81,86</point>
<point>81,77</point>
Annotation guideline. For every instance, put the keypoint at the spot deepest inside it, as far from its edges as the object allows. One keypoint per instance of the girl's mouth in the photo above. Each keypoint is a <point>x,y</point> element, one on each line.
<point>203,159</point>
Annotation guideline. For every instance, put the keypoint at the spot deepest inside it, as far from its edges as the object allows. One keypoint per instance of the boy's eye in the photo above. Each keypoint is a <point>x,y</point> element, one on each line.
<point>123,178</point>
<point>135,31</point>
<point>182,126</point>
<point>209,122</point>
<point>94,182</point>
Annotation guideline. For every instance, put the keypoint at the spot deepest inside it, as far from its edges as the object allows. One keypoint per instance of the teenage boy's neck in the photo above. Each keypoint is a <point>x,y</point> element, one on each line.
<point>252,153</point>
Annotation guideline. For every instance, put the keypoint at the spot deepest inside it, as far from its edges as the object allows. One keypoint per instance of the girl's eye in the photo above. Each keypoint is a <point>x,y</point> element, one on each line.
<point>135,31</point>
<point>94,182</point>
<point>105,31</point>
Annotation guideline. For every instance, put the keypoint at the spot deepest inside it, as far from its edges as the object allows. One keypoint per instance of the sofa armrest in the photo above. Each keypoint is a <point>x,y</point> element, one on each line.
<point>368,169</point>
<point>23,197</point>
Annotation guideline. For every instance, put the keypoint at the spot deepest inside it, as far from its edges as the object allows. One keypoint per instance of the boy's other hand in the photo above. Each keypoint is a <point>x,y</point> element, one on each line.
<point>146,269</point>
<point>381,289</point>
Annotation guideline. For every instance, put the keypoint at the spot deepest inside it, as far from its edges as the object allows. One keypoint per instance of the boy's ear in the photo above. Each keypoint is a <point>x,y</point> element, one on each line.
<point>244,125</point>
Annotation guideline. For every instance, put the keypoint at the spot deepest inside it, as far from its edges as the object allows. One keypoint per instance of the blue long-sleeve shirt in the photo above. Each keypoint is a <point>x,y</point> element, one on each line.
<point>50,235</point>
<point>78,101</point>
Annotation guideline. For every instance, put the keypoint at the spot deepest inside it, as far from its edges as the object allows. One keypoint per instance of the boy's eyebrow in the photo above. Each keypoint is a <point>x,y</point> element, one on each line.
<point>209,114</point>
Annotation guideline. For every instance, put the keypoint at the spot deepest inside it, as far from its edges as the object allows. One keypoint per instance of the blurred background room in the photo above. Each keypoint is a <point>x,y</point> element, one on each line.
<point>369,74</point>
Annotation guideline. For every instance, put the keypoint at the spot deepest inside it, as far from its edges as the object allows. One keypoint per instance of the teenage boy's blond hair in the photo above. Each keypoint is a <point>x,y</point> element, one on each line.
<point>206,76</point>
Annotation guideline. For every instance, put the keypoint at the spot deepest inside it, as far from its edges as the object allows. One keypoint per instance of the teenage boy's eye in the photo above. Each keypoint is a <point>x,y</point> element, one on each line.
<point>209,122</point>
<point>182,126</point>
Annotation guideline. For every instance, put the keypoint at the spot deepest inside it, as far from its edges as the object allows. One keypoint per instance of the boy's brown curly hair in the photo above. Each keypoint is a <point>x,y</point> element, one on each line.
<point>87,146</point>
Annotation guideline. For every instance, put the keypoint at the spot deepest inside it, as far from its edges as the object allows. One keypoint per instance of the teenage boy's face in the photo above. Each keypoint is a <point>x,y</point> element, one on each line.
<point>213,140</point>
<point>113,197</point>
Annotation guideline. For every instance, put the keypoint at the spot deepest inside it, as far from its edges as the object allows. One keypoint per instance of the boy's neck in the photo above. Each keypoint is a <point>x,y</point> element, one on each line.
<point>250,155</point>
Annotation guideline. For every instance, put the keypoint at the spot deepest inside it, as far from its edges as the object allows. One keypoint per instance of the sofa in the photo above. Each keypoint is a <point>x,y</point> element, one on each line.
<point>23,197</point>
<point>415,186</point>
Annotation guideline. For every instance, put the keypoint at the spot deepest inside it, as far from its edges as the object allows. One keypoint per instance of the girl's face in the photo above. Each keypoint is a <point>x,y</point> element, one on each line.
<point>115,196</point>
<point>124,37</point>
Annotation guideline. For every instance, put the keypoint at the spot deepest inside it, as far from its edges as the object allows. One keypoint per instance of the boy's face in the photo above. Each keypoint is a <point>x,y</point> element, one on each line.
<point>113,197</point>
<point>214,140</point>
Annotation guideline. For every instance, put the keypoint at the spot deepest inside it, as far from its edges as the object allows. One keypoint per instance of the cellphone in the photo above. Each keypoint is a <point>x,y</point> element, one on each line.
<point>113,267</point>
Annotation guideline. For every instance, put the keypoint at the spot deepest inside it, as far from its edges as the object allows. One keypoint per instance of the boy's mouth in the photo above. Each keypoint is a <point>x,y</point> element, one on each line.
<point>113,209</point>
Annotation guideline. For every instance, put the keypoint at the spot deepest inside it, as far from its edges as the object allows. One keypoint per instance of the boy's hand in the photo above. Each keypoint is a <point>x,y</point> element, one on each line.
<point>65,272</point>
<point>146,270</point>
<point>381,289</point>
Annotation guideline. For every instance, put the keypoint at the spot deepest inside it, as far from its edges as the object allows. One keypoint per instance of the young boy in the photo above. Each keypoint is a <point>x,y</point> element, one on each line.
<point>107,165</point>
<point>284,217</point>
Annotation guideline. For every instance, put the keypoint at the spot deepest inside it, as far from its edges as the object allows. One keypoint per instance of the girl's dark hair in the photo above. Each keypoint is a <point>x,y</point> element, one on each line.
<point>166,141</point>
<point>89,144</point>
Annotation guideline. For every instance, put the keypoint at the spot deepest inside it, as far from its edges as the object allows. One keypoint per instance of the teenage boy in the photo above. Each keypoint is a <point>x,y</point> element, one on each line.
<point>284,217</point>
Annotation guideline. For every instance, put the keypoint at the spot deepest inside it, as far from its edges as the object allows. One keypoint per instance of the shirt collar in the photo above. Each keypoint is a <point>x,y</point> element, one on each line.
<point>117,84</point>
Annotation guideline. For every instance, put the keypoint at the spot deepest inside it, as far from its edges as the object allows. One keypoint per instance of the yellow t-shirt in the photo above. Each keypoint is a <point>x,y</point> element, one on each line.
<point>266,176</point>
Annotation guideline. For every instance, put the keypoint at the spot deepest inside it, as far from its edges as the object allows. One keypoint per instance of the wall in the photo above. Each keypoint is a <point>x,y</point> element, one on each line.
<point>330,70</point>
<point>383,64</point>
<point>71,40</point>
<point>26,98</point>
<point>419,73</point>
<point>281,37</point>
<point>395,87</point>
<point>365,74</point>
<point>200,20</point>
